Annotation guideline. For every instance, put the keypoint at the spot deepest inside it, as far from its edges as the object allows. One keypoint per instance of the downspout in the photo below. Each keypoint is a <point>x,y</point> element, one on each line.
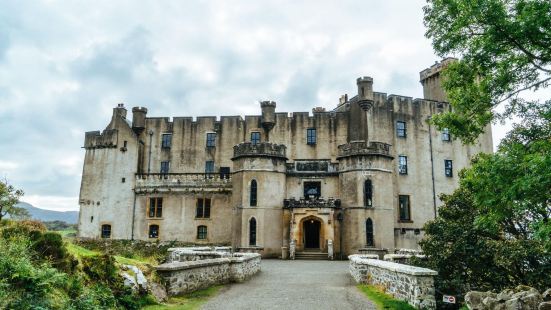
<point>149,157</point>
<point>135,198</point>
<point>432,170</point>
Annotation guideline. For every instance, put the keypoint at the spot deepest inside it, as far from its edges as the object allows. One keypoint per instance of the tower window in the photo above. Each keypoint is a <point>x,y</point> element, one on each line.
<point>165,166</point>
<point>203,208</point>
<point>402,164</point>
<point>368,193</point>
<point>166,141</point>
<point>106,231</point>
<point>154,231</point>
<point>155,207</point>
<point>255,137</point>
<point>403,204</point>
<point>448,168</point>
<point>211,139</point>
<point>369,240</point>
<point>202,232</point>
<point>253,196</point>
<point>401,130</point>
<point>311,136</point>
<point>252,232</point>
<point>446,135</point>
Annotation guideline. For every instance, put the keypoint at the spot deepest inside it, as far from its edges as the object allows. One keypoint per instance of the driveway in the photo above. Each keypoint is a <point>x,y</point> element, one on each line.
<point>301,284</point>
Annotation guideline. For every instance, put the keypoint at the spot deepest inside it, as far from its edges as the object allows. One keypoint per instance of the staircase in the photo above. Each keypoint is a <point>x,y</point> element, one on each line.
<point>311,255</point>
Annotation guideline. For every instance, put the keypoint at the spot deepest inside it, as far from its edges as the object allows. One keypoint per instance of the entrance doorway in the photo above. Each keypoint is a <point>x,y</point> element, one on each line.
<point>311,230</point>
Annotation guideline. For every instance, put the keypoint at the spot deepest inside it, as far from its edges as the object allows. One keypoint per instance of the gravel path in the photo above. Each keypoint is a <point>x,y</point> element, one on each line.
<point>300,284</point>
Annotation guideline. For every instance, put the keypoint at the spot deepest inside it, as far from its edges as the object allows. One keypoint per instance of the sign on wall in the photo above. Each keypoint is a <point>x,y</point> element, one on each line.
<point>449,299</point>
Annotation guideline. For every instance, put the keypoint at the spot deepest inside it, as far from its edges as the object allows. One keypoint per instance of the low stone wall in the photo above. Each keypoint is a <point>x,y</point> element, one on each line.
<point>186,273</point>
<point>414,285</point>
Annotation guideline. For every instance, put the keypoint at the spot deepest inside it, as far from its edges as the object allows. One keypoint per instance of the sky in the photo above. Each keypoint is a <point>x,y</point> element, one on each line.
<point>64,65</point>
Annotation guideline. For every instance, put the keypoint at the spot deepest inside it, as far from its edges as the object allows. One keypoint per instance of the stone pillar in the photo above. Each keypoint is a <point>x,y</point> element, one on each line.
<point>292,246</point>
<point>330,249</point>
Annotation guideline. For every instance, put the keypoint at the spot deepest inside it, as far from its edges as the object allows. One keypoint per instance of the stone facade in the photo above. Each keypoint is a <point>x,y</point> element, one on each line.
<point>189,270</point>
<point>364,176</point>
<point>412,284</point>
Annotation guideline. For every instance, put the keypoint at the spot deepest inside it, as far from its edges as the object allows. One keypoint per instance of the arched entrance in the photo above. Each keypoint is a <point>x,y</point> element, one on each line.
<point>311,229</point>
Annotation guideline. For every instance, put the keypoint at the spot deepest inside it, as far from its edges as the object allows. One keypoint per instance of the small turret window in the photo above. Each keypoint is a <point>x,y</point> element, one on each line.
<point>255,137</point>
<point>368,193</point>
<point>369,233</point>
<point>253,196</point>
<point>252,232</point>
<point>403,164</point>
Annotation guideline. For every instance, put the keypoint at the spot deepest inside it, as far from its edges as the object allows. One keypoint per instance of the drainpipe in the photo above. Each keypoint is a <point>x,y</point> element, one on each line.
<point>149,157</point>
<point>340,218</point>
<point>432,170</point>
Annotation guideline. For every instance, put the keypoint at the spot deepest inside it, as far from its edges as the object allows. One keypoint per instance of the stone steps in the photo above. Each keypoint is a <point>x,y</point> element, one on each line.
<point>311,256</point>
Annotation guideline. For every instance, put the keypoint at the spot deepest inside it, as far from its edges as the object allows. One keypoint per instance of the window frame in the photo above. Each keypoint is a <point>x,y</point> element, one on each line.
<point>446,135</point>
<point>368,193</point>
<point>166,140</point>
<point>404,210</point>
<point>155,208</point>
<point>369,234</point>
<point>202,232</point>
<point>252,231</point>
<point>103,229</point>
<point>165,167</point>
<point>401,132</point>
<point>203,208</point>
<point>448,169</point>
<point>211,139</point>
<point>255,137</point>
<point>403,164</point>
<point>150,230</point>
<point>311,136</point>
<point>253,194</point>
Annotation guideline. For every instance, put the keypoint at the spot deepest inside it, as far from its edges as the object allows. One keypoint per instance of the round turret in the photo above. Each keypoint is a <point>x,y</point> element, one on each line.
<point>365,92</point>
<point>268,114</point>
<point>138,119</point>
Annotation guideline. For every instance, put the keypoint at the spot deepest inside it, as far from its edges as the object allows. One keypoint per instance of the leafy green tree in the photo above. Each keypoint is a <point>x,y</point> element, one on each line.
<point>505,50</point>
<point>9,197</point>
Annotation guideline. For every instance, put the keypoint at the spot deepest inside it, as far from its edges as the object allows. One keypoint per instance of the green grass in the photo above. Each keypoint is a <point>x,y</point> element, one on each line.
<point>69,233</point>
<point>187,302</point>
<point>79,251</point>
<point>382,300</point>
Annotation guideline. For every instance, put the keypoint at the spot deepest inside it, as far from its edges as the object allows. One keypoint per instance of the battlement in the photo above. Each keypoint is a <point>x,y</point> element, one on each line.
<point>264,104</point>
<point>362,148</point>
<point>436,68</point>
<point>264,149</point>
<point>96,140</point>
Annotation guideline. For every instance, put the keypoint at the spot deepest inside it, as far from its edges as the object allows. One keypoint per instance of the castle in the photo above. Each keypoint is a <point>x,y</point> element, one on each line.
<point>363,177</point>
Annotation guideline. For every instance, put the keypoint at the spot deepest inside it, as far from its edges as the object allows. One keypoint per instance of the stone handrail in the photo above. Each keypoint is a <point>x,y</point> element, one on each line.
<point>263,149</point>
<point>356,148</point>
<point>183,180</point>
<point>412,284</point>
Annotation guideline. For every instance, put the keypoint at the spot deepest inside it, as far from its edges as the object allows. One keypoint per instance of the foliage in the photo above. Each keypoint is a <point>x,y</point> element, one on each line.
<point>59,225</point>
<point>505,49</point>
<point>189,301</point>
<point>9,197</point>
<point>382,300</point>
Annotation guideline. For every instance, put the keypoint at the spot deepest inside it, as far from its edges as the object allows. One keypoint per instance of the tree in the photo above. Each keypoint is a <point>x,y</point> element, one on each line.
<point>9,197</point>
<point>505,50</point>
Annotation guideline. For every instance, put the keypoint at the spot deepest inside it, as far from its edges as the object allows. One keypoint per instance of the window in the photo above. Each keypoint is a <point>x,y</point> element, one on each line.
<point>255,137</point>
<point>448,168</point>
<point>253,196</point>
<point>165,165</point>
<point>211,139</point>
<point>154,231</point>
<point>401,130</point>
<point>252,232</point>
<point>202,232</point>
<point>225,173</point>
<point>203,208</point>
<point>368,193</point>
<point>166,141</point>
<point>209,166</point>
<point>106,231</point>
<point>311,136</point>
<point>155,207</point>
<point>369,233</point>
<point>312,189</point>
<point>446,135</point>
<point>123,180</point>
<point>402,164</point>
<point>403,201</point>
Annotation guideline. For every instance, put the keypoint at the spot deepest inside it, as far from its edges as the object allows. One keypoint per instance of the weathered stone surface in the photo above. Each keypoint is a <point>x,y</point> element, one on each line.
<point>159,292</point>
<point>520,298</point>
<point>412,284</point>
<point>545,305</point>
<point>547,295</point>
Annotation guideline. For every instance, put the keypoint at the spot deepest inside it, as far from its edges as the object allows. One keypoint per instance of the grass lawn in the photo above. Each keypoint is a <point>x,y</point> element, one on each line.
<point>66,233</point>
<point>382,300</point>
<point>187,302</point>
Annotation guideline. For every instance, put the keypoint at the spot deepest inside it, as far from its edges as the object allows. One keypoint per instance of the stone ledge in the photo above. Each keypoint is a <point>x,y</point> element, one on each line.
<point>411,270</point>
<point>174,266</point>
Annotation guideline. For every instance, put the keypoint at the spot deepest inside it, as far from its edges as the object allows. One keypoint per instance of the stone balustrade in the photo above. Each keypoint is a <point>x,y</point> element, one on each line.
<point>414,285</point>
<point>312,168</point>
<point>312,203</point>
<point>263,149</point>
<point>183,182</point>
<point>362,148</point>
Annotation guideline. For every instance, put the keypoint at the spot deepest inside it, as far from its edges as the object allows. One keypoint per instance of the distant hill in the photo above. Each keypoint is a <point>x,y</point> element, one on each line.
<point>70,217</point>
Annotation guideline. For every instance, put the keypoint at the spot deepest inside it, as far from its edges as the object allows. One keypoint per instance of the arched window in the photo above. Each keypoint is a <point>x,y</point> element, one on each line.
<point>369,232</point>
<point>253,196</point>
<point>106,231</point>
<point>368,193</point>
<point>252,232</point>
<point>154,231</point>
<point>202,232</point>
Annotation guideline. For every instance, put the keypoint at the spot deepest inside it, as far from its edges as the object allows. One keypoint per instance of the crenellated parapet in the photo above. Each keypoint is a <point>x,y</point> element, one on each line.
<point>263,149</point>
<point>362,148</point>
<point>96,140</point>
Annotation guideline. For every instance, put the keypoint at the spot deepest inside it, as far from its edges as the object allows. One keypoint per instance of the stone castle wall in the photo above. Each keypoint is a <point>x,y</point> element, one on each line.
<point>412,284</point>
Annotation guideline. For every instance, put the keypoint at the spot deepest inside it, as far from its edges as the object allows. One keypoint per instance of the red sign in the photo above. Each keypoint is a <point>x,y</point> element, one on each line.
<point>449,299</point>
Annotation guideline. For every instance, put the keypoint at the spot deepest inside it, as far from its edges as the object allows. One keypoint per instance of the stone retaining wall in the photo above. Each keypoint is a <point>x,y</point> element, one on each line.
<point>414,285</point>
<point>191,274</point>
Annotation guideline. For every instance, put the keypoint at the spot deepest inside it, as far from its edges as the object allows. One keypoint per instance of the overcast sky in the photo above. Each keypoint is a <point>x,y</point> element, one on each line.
<point>65,64</point>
